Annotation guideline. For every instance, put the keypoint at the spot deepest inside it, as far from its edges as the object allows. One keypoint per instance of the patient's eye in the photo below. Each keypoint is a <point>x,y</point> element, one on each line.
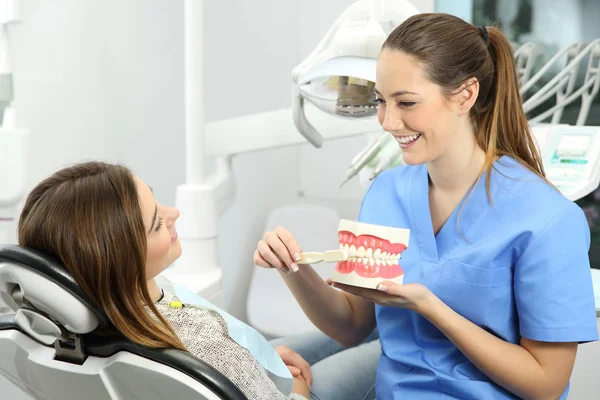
<point>160,223</point>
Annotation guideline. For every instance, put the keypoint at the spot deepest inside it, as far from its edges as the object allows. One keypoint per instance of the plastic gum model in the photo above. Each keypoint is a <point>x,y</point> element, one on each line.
<point>373,252</point>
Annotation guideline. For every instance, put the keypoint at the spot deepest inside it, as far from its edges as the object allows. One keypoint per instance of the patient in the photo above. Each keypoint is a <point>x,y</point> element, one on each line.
<point>104,225</point>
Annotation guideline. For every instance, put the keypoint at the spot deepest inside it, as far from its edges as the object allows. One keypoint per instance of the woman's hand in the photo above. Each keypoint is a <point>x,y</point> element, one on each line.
<point>413,296</point>
<point>301,387</point>
<point>295,363</point>
<point>278,249</point>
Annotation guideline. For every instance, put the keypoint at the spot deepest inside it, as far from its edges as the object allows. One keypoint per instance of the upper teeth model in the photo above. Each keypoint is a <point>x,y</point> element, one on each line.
<point>373,254</point>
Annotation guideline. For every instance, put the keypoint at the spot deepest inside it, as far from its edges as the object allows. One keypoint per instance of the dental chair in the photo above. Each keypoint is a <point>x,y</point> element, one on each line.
<point>49,348</point>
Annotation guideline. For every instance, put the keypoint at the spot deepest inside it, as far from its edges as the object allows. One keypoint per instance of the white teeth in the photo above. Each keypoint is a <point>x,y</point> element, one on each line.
<point>361,252</point>
<point>369,255</point>
<point>377,254</point>
<point>408,139</point>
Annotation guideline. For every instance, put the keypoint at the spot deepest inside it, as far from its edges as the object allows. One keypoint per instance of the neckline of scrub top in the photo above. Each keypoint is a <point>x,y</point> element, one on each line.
<point>436,247</point>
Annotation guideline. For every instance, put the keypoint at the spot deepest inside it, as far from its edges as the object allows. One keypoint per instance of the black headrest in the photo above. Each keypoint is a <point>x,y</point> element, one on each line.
<point>52,269</point>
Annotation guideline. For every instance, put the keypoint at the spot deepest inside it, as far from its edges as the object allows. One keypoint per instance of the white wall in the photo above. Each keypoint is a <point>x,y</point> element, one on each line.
<point>102,79</point>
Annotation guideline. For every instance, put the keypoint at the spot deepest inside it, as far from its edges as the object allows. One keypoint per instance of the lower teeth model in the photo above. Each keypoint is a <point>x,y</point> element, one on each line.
<point>373,253</point>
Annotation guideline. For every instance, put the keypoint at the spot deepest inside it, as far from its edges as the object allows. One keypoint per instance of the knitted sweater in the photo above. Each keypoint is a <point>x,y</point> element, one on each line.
<point>204,333</point>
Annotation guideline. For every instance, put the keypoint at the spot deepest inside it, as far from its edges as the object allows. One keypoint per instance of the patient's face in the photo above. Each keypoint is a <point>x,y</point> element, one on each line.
<point>163,243</point>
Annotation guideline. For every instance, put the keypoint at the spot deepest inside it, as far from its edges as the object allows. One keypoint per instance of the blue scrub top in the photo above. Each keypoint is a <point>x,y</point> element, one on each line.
<point>517,268</point>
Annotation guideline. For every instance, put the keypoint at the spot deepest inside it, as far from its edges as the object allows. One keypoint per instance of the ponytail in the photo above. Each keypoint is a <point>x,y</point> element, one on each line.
<point>502,127</point>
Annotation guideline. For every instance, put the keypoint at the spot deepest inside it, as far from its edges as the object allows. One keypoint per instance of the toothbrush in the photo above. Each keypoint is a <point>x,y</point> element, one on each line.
<point>328,256</point>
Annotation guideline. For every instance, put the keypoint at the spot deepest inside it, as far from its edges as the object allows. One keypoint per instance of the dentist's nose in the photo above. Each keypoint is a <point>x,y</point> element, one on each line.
<point>392,121</point>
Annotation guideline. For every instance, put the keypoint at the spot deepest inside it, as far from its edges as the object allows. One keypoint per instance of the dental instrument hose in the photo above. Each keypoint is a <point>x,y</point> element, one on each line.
<point>365,157</point>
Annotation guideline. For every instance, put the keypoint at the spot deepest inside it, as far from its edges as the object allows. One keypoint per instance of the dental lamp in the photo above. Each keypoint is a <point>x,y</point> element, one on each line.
<point>339,75</point>
<point>13,141</point>
<point>338,78</point>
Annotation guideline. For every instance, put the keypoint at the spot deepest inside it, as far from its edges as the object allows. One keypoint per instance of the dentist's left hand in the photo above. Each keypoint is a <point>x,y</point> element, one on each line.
<point>412,296</point>
<point>295,363</point>
<point>278,249</point>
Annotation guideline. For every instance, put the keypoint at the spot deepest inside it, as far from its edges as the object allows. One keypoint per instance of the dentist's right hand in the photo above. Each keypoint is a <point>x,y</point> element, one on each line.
<point>278,249</point>
<point>346,318</point>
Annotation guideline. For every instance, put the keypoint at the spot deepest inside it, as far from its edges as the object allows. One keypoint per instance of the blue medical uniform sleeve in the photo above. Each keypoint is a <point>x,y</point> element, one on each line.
<point>553,285</point>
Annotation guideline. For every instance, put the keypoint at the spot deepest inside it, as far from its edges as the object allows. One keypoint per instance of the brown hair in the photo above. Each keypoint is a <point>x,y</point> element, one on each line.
<point>452,51</point>
<point>88,216</point>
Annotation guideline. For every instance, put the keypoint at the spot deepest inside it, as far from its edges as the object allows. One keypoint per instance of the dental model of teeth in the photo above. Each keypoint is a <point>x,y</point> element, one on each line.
<point>373,252</point>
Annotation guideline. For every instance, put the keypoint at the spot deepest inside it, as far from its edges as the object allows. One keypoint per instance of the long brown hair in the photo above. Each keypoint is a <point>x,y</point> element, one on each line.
<point>88,216</point>
<point>452,51</point>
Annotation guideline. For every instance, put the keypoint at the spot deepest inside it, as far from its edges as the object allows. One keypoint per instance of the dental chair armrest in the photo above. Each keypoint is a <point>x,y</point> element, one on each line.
<point>182,361</point>
<point>8,321</point>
